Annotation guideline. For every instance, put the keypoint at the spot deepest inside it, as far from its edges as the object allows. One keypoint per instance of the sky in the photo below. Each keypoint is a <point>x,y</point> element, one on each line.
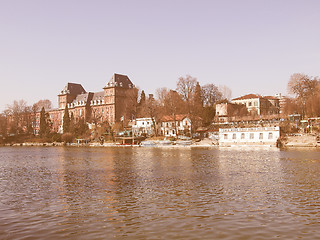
<point>250,46</point>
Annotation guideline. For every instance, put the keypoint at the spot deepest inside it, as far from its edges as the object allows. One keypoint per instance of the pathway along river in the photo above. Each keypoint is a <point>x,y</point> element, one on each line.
<point>154,193</point>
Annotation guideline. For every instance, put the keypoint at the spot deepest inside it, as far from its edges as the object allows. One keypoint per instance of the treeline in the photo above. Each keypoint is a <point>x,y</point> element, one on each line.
<point>17,121</point>
<point>189,97</point>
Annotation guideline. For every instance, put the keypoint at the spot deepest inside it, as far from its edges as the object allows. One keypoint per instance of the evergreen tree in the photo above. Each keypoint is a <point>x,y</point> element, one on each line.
<point>142,98</point>
<point>196,109</point>
<point>66,120</point>
<point>43,123</point>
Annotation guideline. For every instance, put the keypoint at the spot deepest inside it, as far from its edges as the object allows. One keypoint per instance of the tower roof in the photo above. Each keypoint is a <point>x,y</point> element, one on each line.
<point>73,89</point>
<point>119,80</point>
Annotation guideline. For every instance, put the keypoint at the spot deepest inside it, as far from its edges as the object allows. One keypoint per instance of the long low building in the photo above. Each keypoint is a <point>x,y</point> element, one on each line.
<point>249,136</point>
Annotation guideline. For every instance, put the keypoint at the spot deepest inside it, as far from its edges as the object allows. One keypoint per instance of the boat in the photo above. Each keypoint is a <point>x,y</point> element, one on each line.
<point>148,144</point>
<point>184,143</point>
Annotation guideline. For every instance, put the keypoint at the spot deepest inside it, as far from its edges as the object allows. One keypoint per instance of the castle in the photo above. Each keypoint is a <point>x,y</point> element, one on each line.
<point>118,99</point>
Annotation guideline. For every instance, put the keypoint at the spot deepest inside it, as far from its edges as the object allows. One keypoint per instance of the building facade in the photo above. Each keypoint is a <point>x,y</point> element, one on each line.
<point>249,136</point>
<point>143,126</point>
<point>118,99</point>
<point>172,127</point>
<point>259,105</point>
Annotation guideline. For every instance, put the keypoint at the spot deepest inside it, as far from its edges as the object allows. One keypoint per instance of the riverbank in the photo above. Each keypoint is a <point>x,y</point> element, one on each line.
<point>301,140</point>
<point>293,141</point>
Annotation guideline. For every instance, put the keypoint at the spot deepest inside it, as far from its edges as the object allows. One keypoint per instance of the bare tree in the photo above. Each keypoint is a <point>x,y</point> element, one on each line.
<point>186,87</point>
<point>18,115</point>
<point>173,105</point>
<point>44,103</point>
<point>211,94</point>
<point>305,89</point>
<point>161,94</point>
<point>226,92</point>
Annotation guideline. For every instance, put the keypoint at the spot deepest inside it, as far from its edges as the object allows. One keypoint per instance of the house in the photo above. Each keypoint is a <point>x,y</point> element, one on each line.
<point>249,136</point>
<point>143,126</point>
<point>259,105</point>
<point>225,111</point>
<point>172,126</point>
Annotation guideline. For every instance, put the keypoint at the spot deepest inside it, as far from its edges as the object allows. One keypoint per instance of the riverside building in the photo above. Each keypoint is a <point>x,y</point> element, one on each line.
<point>249,136</point>
<point>118,99</point>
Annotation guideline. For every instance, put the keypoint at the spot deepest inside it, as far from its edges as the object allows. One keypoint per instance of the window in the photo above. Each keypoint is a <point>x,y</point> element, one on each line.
<point>251,135</point>
<point>260,135</point>
<point>225,136</point>
<point>242,135</point>
<point>270,136</point>
<point>250,104</point>
<point>234,136</point>
<point>256,104</point>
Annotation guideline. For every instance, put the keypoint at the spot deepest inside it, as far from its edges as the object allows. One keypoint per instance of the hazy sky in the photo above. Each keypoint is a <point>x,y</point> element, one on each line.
<point>249,46</point>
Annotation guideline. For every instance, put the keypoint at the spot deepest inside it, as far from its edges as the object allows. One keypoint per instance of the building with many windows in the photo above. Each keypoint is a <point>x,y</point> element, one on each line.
<point>260,105</point>
<point>174,126</point>
<point>118,99</point>
<point>249,136</point>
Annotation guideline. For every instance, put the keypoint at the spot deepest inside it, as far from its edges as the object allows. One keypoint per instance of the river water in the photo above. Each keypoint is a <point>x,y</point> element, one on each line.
<point>154,193</point>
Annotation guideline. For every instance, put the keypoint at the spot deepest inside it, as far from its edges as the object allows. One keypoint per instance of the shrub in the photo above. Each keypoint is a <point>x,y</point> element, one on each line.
<point>67,137</point>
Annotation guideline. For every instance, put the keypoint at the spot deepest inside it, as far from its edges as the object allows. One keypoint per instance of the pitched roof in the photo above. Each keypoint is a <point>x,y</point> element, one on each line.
<point>98,96</point>
<point>73,89</point>
<point>169,118</point>
<point>119,80</point>
<point>271,97</point>
<point>82,97</point>
<point>248,96</point>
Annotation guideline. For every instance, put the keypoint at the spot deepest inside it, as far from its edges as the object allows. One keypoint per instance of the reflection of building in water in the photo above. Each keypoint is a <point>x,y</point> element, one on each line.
<point>249,136</point>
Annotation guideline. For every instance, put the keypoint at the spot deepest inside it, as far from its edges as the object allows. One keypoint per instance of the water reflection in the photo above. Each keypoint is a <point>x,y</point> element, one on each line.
<point>143,193</point>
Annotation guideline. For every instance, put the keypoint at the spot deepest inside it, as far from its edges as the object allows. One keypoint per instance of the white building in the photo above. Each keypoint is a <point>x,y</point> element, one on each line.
<point>143,126</point>
<point>249,136</point>
<point>181,124</point>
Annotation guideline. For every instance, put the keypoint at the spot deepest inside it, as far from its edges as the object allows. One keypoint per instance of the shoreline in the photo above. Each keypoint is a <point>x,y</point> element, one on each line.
<point>298,141</point>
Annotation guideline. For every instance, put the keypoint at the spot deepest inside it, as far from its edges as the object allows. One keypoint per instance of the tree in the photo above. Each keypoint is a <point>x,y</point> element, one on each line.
<point>225,91</point>
<point>18,116</point>
<point>306,91</point>
<point>66,120</point>
<point>44,123</point>
<point>173,105</point>
<point>211,95</point>
<point>141,104</point>
<point>161,94</point>
<point>196,109</point>
<point>152,110</point>
<point>186,87</point>
<point>80,128</point>
<point>3,125</point>
<point>129,110</point>
<point>44,103</point>
<point>142,98</point>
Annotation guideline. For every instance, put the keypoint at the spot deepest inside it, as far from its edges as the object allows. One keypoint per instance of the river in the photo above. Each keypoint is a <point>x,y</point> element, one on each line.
<point>159,193</point>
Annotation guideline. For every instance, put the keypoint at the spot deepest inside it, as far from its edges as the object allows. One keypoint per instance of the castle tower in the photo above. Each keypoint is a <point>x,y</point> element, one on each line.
<point>120,98</point>
<point>69,93</point>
